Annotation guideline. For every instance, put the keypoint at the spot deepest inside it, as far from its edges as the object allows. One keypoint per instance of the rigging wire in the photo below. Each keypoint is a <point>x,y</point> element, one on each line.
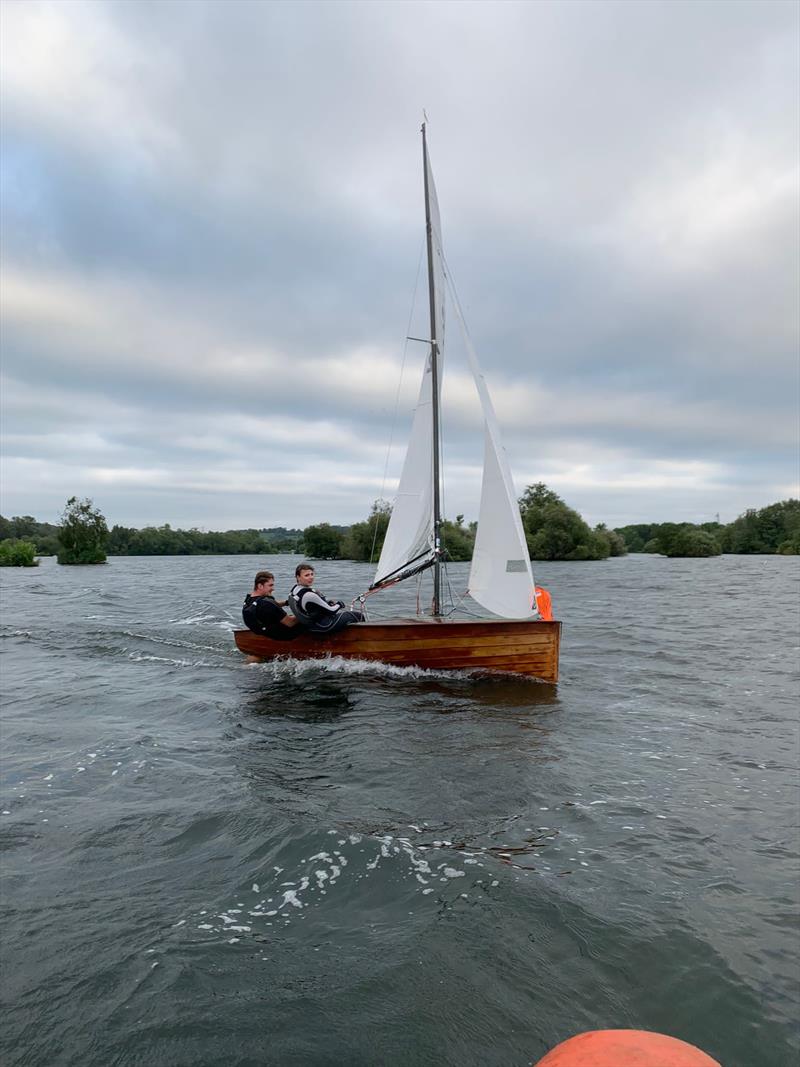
<point>397,397</point>
<point>451,284</point>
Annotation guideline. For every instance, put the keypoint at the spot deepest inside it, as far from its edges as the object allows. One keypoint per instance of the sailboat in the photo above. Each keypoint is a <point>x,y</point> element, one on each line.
<point>517,639</point>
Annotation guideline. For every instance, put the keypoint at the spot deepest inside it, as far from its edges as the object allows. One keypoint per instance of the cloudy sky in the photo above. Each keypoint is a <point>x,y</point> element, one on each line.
<point>212,226</point>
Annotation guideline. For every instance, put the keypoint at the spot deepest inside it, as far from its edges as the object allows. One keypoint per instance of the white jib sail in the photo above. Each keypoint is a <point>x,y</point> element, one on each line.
<point>410,532</point>
<point>500,579</point>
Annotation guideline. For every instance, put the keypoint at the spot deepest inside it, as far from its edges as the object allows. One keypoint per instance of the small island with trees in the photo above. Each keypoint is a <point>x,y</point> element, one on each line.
<point>554,531</point>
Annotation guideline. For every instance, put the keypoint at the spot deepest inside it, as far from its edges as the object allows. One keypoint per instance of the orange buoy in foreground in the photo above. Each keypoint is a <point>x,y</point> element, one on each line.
<point>625,1048</point>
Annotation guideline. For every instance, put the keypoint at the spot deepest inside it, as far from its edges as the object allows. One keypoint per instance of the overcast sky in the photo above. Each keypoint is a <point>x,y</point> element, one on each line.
<point>212,223</point>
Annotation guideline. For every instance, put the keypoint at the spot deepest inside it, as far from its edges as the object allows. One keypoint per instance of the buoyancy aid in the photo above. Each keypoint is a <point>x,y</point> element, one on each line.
<point>544,604</point>
<point>321,623</point>
<point>306,610</point>
<point>296,604</point>
<point>263,615</point>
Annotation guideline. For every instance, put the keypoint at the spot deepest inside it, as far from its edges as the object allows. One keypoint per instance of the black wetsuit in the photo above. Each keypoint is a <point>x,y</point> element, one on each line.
<point>263,615</point>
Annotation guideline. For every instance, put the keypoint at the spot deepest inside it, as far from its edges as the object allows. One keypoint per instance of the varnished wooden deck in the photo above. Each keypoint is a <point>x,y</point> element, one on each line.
<point>519,647</point>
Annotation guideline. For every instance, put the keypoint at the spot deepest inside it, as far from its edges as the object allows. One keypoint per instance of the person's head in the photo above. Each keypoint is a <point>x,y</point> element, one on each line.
<point>304,573</point>
<point>264,583</point>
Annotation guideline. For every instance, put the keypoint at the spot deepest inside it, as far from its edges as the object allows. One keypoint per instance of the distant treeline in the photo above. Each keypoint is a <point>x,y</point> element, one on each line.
<point>158,540</point>
<point>553,531</point>
<point>164,541</point>
<point>43,535</point>
<point>773,529</point>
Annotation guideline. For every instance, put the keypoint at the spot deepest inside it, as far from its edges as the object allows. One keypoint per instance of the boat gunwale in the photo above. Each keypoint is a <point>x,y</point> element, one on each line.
<point>427,620</point>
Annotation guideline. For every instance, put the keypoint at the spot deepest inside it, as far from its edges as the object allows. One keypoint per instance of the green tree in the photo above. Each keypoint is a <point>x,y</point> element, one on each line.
<point>82,534</point>
<point>791,546</point>
<point>616,543</point>
<point>458,540</point>
<point>675,539</point>
<point>664,534</point>
<point>635,536</point>
<point>743,535</point>
<point>766,530</point>
<point>17,553</point>
<point>322,541</point>
<point>119,541</point>
<point>23,526</point>
<point>538,496</point>
<point>26,528</point>
<point>555,531</point>
<point>164,541</point>
<point>364,540</point>
<point>47,545</point>
<point>691,541</point>
<point>281,539</point>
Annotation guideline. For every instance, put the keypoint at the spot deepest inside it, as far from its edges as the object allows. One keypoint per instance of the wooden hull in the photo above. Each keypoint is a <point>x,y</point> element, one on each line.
<point>517,647</point>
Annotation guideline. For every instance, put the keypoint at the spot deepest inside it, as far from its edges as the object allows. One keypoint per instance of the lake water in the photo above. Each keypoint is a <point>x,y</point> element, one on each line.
<point>208,862</point>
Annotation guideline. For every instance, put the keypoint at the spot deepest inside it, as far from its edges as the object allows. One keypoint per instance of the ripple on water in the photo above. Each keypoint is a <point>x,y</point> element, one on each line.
<point>204,858</point>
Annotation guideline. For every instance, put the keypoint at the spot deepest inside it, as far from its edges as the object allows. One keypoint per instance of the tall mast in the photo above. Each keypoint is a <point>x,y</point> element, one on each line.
<point>437,518</point>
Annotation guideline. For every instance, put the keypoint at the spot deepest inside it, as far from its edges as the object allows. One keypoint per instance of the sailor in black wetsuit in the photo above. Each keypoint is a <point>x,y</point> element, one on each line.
<point>320,615</point>
<point>263,614</point>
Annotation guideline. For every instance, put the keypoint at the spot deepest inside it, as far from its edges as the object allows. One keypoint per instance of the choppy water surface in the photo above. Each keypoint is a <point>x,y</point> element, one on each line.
<point>208,862</point>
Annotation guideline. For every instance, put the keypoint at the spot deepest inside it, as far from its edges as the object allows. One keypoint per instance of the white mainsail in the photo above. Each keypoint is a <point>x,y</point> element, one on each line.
<point>437,258</point>
<point>409,537</point>
<point>410,541</point>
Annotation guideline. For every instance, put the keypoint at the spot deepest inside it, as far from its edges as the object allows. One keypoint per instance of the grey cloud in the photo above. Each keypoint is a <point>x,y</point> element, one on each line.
<point>232,193</point>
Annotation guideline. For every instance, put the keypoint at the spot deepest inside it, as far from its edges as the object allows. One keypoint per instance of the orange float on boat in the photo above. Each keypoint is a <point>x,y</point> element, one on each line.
<point>544,603</point>
<point>625,1048</point>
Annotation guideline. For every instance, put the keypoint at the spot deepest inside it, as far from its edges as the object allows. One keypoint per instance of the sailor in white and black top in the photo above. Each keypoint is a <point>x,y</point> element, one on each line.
<point>320,615</point>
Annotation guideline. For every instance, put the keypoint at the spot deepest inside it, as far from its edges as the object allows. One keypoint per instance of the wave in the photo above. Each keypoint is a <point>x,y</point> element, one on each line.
<point>174,642</point>
<point>143,657</point>
<point>276,893</point>
<point>296,668</point>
